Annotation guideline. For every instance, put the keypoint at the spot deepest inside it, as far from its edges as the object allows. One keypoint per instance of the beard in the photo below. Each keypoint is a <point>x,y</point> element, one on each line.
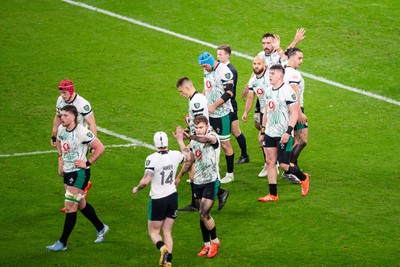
<point>258,71</point>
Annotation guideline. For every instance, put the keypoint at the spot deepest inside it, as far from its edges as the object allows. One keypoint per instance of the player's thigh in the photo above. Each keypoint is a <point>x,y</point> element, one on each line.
<point>78,179</point>
<point>157,209</point>
<point>301,135</point>
<point>222,126</point>
<point>270,144</point>
<point>208,191</point>
<point>154,226</point>
<point>284,151</point>
<point>172,210</point>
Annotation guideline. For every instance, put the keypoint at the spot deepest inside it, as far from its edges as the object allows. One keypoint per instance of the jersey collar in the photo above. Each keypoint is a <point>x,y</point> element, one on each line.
<point>274,89</point>
<point>69,102</point>
<point>70,130</point>
<point>193,95</point>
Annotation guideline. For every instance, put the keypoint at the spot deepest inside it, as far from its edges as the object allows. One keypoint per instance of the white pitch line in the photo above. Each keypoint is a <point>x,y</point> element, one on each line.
<point>187,38</point>
<point>55,151</point>
<point>126,138</point>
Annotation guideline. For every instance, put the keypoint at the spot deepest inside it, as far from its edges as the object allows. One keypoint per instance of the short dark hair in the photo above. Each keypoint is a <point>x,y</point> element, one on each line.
<point>199,119</point>
<point>292,51</point>
<point>182,81</point>
<point>226,48</point>
<point>278,67</point>
<point>71,109</point>
<point>268,34</point>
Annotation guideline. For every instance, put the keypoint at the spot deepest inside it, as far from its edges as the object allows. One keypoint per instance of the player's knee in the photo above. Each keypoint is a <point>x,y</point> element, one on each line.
<point>284,166</point>
<point>226,145</point>
<point>271,162</point>
<point>72,199</point>
<point>204,215</point>
<point>236,132</point>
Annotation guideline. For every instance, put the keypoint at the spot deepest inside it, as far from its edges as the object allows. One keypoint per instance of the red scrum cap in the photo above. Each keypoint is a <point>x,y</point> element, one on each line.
<point>67,85</point>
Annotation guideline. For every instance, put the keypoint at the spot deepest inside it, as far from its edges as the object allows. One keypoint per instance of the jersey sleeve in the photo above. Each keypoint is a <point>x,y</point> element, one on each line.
<point>60,127</point>
<point>149,163</point>
<point>87,108</point>
<point>226,77</point>
<point>252,84</point>
<point>294,78</point>
<point>216,144</point>
<point>180,158</point>
<point>58,105</point>
<point>86,135</point>
<point>290,96</point>
<point>197,107</point>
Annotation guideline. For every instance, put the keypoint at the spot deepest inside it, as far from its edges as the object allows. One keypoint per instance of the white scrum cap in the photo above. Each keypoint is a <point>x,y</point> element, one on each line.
<point>160,139</point>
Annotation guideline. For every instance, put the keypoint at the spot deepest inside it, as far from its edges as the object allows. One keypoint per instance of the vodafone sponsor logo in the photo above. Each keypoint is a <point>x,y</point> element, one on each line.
<point>271,104</point>
<point>198,154</point>
<point>65,147</point>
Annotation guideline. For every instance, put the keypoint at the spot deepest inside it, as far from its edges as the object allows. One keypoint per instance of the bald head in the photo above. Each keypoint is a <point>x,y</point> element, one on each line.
<point>258,65</point>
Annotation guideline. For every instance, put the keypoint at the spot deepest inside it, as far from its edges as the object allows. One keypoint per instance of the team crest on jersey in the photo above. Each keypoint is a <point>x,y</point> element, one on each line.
<point>147,163</point>
<point>89,134</point>
<point>228,75</point>
<point>196,105</point>
<point>86,107</point>
<point>294,96</point>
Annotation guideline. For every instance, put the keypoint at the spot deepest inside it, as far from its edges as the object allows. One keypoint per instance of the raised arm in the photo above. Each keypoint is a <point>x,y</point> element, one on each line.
<point>298,37</point>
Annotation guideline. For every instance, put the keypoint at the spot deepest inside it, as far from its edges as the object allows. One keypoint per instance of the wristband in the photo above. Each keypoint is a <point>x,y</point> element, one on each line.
<point>54,139</point>
<point>88,163</point>
<point>226,96</point>
<point>59,155</point>
<point>289,130</point>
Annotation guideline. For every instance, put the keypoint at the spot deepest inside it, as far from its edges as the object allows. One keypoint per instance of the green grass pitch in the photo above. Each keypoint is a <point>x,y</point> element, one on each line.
<point>128,72</point>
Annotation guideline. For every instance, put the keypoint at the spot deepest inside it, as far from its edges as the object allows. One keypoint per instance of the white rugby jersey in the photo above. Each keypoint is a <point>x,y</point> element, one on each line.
<point>206,157</point>
<point>197,106</point>
<point>81,104</point>
<point>164,165</point>
<point>278,102</point>
<point>214,83</point>
<point>259,87</point>
<point>293,76</point>
<point>272,59</point>
<point>74,145</point>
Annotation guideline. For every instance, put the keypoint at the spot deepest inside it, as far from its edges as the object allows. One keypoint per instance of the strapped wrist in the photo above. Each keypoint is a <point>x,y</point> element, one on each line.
<point>289,130</point>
